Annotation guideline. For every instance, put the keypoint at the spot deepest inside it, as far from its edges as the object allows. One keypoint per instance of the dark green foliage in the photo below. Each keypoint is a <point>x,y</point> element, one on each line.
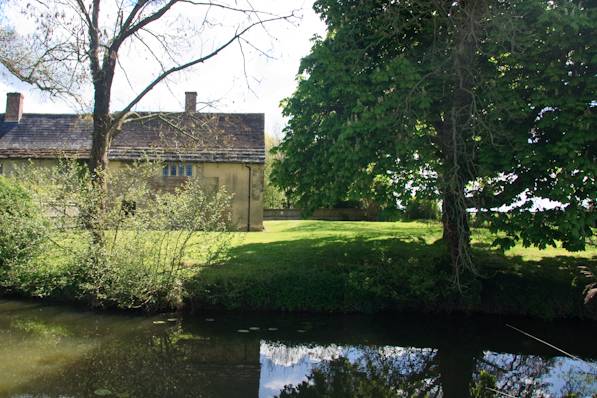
<point>421,209</point>
<point>22,230</point>
<point>547,80</point>
<point>551,288</point>
<point>327,274</point>
<point>389,214</point>
<point>485,386</point>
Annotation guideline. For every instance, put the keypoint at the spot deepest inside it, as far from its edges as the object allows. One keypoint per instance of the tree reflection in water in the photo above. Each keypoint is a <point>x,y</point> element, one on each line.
<point>441,373</point>
<point>376,373</point>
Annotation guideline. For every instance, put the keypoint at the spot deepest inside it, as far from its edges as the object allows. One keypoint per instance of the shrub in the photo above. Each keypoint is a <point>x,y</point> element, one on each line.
<point>390,214</point>
<point>421,209</point>
<point>142,262</point>
<point>22,228</point>
<point>137,254</point>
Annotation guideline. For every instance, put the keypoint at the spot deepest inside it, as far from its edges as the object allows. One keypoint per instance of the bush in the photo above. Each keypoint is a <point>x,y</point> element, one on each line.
<point>390,214</point>
<point>421,209</point>
<point>22,228</point>
<point>136,254</point>
<point>142,261</point>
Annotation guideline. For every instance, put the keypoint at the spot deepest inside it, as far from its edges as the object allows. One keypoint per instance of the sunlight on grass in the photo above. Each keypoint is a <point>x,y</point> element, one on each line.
<point>428,232</point>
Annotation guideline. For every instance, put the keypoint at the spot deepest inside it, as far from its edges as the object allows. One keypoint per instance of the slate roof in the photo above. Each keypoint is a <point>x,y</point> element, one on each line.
<point>200,137</point>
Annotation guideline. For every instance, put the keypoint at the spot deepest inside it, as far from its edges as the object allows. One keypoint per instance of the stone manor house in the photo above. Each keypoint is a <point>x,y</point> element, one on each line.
<point>222,149</point>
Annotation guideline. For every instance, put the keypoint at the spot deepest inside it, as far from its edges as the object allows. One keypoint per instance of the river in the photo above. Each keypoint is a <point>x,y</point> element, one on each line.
<point>61,351</point>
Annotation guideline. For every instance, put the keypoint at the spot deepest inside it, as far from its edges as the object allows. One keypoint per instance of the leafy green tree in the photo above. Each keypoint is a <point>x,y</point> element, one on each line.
<point>478,103</point>
<point>421,209</point>
<point>273,196</point>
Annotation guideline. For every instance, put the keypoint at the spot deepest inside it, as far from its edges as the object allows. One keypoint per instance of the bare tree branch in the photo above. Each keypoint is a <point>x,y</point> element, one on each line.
<point>84,12</point>
<point>229,8</point>
<point>94,41</point>
<point>118,118</point>
<point>129,30</point>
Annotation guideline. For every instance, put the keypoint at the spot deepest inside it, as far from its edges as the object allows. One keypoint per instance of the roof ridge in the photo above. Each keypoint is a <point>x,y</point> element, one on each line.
<point>143,113</point>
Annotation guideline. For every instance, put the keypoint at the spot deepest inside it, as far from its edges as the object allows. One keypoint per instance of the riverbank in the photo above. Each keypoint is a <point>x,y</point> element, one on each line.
<point>367,267</point>
<point>341,267</point>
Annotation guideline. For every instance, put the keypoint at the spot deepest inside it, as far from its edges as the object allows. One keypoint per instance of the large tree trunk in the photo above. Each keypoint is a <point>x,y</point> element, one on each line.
<point>455,134</point>
<point>102,130</point>
<point>98,157</point>
<point>456,232</point>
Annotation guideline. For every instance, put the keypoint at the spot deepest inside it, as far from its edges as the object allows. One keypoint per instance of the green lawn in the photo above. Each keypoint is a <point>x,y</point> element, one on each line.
<point>369,266</point>
<point>429,232</point>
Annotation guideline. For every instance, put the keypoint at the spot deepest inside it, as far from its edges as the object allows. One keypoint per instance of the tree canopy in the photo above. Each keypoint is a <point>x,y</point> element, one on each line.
<point>483,104</point>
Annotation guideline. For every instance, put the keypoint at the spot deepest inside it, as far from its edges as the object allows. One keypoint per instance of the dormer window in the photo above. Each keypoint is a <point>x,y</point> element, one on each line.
<point>177,169</point>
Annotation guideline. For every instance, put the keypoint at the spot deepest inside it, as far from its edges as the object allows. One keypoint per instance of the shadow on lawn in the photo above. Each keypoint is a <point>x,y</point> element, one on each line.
<point>365,227</point>
<point>322,251</point>
<point>344,273</point>
<point>329,274</point>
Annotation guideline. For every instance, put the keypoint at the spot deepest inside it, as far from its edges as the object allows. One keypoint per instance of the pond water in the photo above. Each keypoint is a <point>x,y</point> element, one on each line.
<point>57,351</point>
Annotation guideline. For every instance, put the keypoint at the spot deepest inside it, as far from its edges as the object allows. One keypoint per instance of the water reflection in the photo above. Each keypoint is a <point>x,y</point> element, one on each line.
<point>60,352</point>
<point>418,372</point>
<point>363,371</point>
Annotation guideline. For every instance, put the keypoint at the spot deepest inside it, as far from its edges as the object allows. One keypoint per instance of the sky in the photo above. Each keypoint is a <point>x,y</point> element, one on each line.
<point>225,82</point>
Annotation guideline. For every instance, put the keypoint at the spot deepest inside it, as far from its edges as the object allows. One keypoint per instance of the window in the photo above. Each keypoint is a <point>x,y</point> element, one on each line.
<point>177,169</point>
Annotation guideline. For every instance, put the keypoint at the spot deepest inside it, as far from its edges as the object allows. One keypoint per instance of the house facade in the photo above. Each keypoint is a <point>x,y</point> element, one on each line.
<point>222,149</point>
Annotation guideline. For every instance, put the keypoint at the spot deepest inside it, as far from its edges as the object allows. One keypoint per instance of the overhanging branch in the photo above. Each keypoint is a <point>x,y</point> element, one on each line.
<point>120,115</point>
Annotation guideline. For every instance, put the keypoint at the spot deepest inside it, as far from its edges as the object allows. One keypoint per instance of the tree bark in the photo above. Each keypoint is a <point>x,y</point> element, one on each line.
<point>103,131</point>
<point>455,133</point>
<point>102,137</point>
<point>456,230</point>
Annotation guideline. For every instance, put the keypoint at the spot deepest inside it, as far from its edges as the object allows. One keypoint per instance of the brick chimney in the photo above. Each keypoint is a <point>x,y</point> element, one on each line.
<point>14,107</point>
<point>190,101</point>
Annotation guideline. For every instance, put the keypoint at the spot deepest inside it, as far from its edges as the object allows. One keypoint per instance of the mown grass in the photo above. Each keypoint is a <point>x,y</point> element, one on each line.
<point>371,266</point>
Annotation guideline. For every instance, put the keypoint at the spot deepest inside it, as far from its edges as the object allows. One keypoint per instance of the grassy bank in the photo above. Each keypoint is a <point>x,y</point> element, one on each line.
<point>330,267</point>
<point>362,266</point>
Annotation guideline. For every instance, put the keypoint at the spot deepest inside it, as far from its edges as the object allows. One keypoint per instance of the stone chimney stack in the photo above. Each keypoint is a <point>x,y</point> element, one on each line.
<point>14,107</point>
<point>190,103</point>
